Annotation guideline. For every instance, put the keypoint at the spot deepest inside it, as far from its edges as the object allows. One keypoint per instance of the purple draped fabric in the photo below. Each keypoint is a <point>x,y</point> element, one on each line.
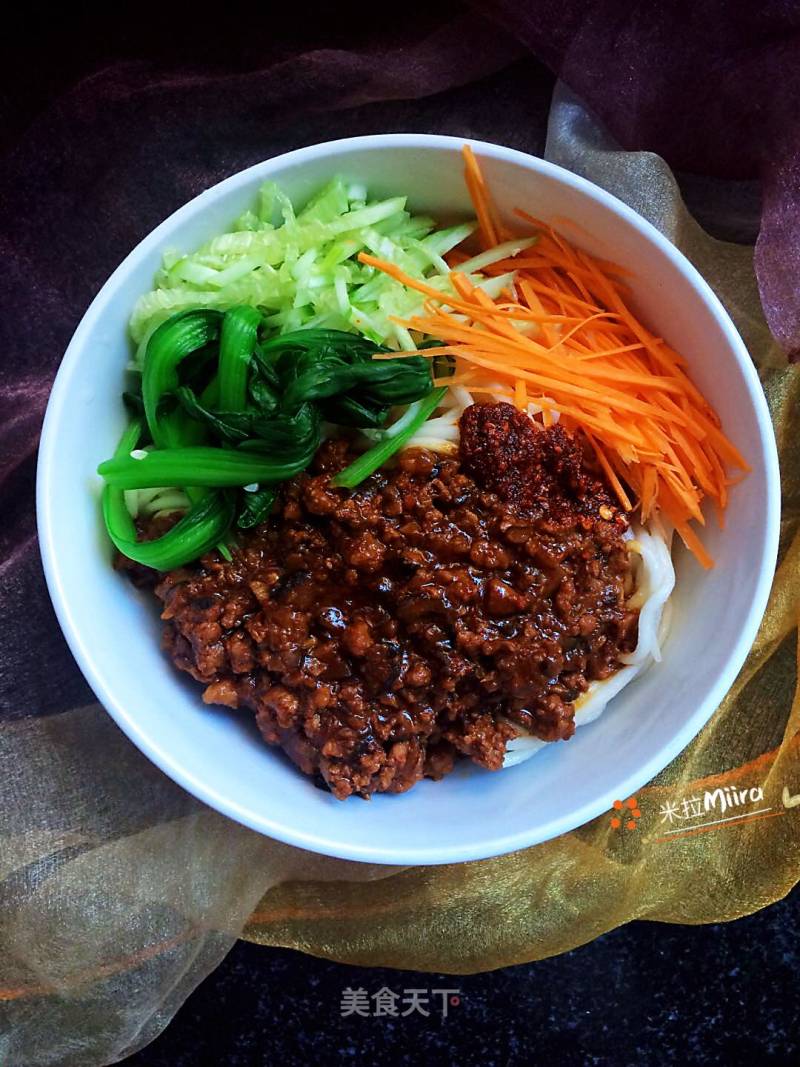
<point>712,86</point>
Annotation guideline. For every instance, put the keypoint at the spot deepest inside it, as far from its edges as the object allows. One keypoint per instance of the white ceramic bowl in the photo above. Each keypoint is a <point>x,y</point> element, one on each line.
<point>217,754</point>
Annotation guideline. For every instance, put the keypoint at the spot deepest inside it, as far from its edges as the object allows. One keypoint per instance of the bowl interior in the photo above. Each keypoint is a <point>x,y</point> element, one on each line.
<point>216,753</point>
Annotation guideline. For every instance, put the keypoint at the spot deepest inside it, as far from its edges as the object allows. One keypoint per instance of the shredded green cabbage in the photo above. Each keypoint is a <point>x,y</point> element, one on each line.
<point>300,268</point>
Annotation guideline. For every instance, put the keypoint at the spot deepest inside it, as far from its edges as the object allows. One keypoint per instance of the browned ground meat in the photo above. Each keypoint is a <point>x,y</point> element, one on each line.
<point>380,634</point>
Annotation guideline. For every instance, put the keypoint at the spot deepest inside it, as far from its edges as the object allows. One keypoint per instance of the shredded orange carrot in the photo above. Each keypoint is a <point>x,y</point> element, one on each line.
<point>566,340</point>
<point>616,485</point>
<point>647,492</point>
<point>484,209</point>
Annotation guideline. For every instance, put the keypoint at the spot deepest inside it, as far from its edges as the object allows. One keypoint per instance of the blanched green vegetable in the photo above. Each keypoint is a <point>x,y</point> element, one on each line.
<point>196,466</point>
<point>202,528</point>
<point>171,343</point>
<point>263,402</point>
<point>256,507</point>
<point>347,411</point>
<point>367,464</point>
<point>197,532</point>
<point>290,436</point>
<point>322,344</point>
<point>294,435</point>
<point>237,344</point>
<point>385,382</point>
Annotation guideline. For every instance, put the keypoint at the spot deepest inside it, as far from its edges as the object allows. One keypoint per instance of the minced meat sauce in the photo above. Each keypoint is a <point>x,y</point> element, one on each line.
<point>380,634</point>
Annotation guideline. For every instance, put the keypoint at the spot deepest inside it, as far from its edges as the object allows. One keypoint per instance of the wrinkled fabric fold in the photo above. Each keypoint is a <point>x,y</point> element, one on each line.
<point>712,87</point>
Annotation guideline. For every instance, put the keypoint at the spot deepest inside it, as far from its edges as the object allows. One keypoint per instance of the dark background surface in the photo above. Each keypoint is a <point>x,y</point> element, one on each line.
<point>645,994</point>
<point>641,996</point>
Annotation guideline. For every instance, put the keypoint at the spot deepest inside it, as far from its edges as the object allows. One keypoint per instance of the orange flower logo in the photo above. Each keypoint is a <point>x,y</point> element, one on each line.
<point>629,808</point>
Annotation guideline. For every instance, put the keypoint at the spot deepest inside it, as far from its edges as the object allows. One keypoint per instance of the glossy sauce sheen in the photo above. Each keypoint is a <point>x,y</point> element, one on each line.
<point>382,633</point>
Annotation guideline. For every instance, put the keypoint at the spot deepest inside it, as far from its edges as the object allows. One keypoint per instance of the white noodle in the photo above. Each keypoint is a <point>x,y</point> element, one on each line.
<point>462,396</point>
<point>436,444</point>
<point>444,431</point>
<point>655,580</point>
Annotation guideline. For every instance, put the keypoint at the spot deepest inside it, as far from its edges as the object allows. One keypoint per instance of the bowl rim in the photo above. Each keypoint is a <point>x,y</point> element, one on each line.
<point>171,763</point>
